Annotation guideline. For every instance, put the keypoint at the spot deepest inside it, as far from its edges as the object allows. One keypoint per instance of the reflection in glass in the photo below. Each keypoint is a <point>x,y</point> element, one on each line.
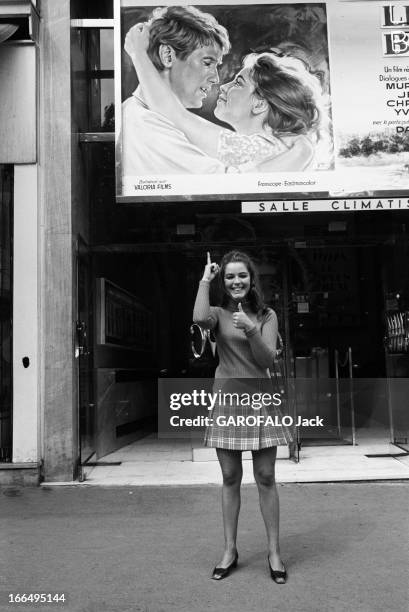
<point>106,42</point>
<point>107,105</point>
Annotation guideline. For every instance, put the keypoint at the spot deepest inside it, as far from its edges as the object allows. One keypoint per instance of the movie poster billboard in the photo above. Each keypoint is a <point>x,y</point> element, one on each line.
<point>256,100</point>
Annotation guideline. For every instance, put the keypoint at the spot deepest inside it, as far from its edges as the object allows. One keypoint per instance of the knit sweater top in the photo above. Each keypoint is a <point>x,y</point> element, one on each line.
<point>241,354</point>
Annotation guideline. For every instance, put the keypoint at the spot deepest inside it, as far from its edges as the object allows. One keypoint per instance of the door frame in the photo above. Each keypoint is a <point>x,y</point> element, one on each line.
<point>83,352</point>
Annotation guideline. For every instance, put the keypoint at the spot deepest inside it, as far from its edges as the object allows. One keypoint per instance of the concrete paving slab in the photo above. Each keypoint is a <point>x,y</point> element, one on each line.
<point>317,464</point>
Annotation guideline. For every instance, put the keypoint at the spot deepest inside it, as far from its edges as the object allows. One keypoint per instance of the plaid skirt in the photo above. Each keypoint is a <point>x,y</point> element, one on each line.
<point>253,431</point>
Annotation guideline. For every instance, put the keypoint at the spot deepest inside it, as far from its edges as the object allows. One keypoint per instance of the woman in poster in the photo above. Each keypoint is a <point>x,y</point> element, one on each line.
<point>273,104</point>
<point>246,336</point>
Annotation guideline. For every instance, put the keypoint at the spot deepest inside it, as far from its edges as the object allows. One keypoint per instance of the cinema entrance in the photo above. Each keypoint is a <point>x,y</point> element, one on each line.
<point>337,282</point>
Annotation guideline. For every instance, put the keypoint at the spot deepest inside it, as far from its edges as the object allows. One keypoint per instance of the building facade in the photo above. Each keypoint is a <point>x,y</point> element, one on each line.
<point>96,296</point>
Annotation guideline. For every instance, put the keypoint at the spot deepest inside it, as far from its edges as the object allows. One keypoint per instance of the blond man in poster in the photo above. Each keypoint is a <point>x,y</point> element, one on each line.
<point>186,46</point>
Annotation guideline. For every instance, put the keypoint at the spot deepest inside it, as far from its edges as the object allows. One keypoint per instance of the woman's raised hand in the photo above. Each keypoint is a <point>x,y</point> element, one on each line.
<point>211,269</point>
<point>241,320</point>
<point>137,40</point>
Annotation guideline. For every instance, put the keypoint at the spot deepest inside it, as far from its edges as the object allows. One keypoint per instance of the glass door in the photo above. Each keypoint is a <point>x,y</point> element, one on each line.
<point>336,332</point>
<point>396,308</point>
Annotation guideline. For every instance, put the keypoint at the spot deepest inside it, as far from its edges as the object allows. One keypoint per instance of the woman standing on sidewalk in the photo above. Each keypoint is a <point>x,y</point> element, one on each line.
<point>246,336</point>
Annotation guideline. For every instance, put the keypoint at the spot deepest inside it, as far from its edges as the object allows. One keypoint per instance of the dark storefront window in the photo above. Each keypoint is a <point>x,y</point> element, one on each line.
<point>92,9</point>
<point>6,211</point>
<point>93,77</point>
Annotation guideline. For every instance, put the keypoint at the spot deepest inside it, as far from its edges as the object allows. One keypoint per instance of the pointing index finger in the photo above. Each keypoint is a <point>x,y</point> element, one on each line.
<point>209,260</point>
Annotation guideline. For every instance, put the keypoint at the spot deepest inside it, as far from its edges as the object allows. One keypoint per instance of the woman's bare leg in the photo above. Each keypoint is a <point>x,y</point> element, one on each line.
<point>264,474</point>
<point>232,470</point>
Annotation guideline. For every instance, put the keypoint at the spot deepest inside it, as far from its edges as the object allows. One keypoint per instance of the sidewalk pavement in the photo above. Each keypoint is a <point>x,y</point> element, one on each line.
<point>164,462</point>
<point>152,549</point>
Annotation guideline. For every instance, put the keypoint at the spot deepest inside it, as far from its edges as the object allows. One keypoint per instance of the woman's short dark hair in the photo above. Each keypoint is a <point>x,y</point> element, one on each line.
<point>184,28</point>
<point>293,94</point>
<point>254,296</point>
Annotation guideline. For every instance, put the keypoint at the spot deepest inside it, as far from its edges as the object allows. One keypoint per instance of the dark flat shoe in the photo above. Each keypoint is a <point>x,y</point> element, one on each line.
<point>280,577</point>
<point>222,572</point>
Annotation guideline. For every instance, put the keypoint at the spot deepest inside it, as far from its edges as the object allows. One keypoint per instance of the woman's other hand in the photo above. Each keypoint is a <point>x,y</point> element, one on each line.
<point>137,40</point>
<point>211,269</point>
<point>241,320</point>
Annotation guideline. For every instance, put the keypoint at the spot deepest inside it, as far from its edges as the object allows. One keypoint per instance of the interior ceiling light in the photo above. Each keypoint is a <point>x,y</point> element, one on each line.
<point>7,30</point>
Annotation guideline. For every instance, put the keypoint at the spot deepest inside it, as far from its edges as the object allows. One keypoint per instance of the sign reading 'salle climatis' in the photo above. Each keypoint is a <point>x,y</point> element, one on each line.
<point>237,100</point>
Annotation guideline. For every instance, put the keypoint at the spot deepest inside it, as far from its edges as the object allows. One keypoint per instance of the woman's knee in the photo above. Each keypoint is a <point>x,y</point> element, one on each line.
<point>232,478</point>
<point>231,466</point>
<point>265,478</point>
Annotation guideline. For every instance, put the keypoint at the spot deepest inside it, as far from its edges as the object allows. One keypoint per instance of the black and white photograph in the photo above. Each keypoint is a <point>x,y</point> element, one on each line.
<point>204,305</point>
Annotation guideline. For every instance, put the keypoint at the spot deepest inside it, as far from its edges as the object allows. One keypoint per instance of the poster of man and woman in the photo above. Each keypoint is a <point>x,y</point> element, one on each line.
<point>235,100</point>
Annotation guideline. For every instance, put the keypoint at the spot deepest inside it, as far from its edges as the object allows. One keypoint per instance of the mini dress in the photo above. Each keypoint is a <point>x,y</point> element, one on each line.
<point>242,373</point>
